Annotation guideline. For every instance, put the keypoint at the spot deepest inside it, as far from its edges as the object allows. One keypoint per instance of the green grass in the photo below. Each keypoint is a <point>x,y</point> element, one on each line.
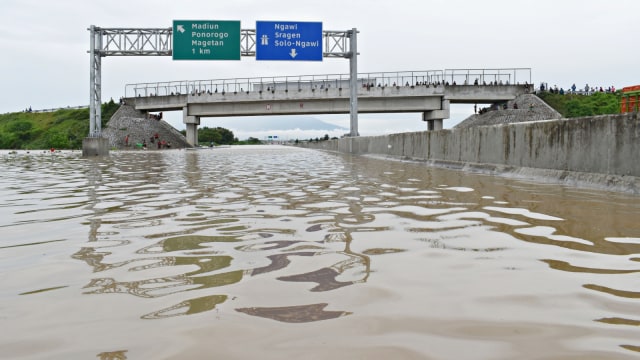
<point>574,105</point>
<point>61,129</point>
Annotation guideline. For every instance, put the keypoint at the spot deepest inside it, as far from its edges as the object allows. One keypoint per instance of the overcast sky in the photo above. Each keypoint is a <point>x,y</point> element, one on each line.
<point>44,61</point>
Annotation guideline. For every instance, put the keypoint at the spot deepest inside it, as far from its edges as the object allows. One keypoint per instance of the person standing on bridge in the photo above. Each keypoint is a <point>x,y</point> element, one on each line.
<point>126,140</point>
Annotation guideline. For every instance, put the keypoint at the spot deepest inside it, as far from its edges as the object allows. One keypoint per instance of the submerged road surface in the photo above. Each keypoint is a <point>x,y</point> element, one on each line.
<point>278,253</point>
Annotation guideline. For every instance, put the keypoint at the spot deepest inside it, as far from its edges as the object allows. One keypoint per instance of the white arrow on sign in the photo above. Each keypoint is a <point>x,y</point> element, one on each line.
<point>293,53</point>
<point>180,28</point>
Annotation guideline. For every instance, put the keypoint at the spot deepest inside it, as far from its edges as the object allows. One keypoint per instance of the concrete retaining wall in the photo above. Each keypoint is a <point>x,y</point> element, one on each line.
<point>607,145</point>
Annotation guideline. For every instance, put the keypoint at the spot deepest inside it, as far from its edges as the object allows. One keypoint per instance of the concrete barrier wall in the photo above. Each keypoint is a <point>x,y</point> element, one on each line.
<point>608,144</point>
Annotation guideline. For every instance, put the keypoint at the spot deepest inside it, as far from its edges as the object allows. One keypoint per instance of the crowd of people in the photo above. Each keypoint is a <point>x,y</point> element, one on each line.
<point>503,106</point>
<point>573,89</point>
<point>476,82</point>
<point>157,116</point>
<point>154,141</point>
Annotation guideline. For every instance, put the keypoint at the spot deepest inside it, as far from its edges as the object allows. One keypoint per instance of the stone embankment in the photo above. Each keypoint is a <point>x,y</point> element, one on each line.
<point>139,126</point>
<point>598,151</point>
<point>527,107</point>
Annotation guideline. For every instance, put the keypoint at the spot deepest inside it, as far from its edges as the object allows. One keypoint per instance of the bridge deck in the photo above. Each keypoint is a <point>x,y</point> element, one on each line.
<point>328,100</point>
<point>428,92</point>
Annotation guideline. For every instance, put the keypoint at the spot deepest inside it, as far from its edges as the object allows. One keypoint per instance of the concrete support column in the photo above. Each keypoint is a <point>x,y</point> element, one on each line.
<point>192,134</point>
<point>434,118</point>
<point>192,123</point>
<point>435,124</point>
<point>445,105</point>
<point>432,124</point>
<point>429,125</point>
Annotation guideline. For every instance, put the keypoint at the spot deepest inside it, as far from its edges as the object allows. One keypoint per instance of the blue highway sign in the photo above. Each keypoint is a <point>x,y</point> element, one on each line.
<point>288,40</point>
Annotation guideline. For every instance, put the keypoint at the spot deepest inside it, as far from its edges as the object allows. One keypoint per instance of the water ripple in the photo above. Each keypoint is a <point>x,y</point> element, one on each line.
<point>280,235</point>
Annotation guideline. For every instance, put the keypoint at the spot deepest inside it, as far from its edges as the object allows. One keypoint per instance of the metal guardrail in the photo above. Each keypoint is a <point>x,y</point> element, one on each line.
<point>505,76</point>
<point>55,109</point>
<point>273,83</point>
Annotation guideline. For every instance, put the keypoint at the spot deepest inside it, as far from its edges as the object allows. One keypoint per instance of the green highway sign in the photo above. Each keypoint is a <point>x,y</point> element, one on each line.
<point>206,40</point>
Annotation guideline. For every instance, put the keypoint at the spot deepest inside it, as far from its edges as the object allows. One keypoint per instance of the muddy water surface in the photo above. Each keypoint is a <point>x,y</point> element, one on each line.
<point>275,252</point>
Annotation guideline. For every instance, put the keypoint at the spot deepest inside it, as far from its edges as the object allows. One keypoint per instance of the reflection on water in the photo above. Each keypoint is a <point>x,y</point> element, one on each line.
<point>188,307</point>
<point>295,314</point>
<point>113,355</point>
<point>286,236</point>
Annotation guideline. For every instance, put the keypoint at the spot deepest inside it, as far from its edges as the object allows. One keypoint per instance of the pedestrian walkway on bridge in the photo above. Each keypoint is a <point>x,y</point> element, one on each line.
<point>448,77</point>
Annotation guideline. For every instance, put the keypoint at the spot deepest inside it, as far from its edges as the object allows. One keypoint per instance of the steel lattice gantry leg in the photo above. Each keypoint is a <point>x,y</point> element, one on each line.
<point>353,81</point>
<point>95,99</point>
<point>95,144</point>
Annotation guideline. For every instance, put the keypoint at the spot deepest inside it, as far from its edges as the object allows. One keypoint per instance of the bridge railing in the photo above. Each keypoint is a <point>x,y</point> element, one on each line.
<point>157,89</point>
<point>288,83</point>
<point>506,76</point>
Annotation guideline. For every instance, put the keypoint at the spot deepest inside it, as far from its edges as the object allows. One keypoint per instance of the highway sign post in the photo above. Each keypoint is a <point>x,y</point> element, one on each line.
<point>215,40</point>
<point>206,40</point>
<point>288,40</point>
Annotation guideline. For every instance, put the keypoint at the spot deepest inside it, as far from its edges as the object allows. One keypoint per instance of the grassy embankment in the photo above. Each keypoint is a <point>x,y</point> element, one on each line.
<point>61,129</point>
<point>574,105</point>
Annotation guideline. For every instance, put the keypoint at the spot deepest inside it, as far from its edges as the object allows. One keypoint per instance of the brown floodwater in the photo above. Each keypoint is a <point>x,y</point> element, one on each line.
<point>273,252</point>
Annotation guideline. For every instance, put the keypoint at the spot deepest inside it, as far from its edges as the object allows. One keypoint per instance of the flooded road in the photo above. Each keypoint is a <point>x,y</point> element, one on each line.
<point>274,252</point>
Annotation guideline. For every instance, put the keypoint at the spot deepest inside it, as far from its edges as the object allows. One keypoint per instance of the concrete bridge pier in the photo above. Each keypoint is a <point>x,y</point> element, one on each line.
<point>434,118</point>
<point>95,146</point>
<point>192,123</point>
<point>434,125</point>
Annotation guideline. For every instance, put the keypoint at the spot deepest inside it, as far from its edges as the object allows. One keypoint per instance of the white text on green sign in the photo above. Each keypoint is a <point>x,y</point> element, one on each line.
<point>206,40</point>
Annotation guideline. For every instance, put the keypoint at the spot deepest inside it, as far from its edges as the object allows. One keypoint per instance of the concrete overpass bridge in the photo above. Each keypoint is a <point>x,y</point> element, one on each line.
<point>428,92</point>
